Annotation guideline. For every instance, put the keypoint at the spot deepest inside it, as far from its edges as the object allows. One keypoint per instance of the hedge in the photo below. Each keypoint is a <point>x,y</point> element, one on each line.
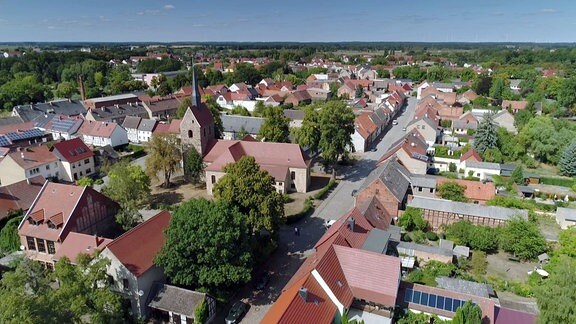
<point>320,194</point>
<point>562,182</point>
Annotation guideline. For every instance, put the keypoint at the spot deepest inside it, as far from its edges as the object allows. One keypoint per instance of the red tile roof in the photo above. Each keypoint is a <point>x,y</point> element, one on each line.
<point>172,128</point>
<point>471,155</point>
<point>19,195</point>
<point>514,104</point>
<point>33,156</point>
<point>475,190</point>
<point>202,115</point>
<point>377,282</point>
<point>365,125</point>
<point>291,308</point>
<point>507,316</point>
<point>72,150</point>
<point>137,248</point>
<point>15,128</point>
<point>54,199</point>
<point>223,152</point>
<point>332,274</point>
<point>97,129</point>
<point>76,243</point>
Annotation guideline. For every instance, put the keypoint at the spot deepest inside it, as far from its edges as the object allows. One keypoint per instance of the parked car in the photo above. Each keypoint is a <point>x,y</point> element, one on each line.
<point>329,222</point>
<point>354,192</point>
<point>374,149</point>
<point>262,281</point>
<point>394,122</point>
<point>236,313</point>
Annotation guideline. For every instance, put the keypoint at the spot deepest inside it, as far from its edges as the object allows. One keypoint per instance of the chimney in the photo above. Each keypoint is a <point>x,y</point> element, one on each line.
<point>82,90</point>
<point>303,293</point>
<point>351,223</point>
<point>412,144</point>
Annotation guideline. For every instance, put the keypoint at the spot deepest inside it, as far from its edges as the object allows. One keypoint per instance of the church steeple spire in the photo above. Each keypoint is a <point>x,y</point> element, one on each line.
<point>195,99</point>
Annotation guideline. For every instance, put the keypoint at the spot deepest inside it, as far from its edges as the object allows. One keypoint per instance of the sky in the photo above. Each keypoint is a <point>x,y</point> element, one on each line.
<point>288,20</point>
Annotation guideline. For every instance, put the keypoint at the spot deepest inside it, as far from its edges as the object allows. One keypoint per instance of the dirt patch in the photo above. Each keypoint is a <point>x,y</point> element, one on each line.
<point>179,192</point>
<point>501,267</point>
<point>548,226</point>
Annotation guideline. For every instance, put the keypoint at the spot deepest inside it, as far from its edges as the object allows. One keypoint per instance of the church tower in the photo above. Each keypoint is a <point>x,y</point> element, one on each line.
<point>197,126</point>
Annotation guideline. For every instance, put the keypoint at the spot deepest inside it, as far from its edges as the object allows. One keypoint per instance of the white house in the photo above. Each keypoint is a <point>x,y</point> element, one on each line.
<point>145,130</point>
<point>131,124</point>
<point>481,170</point>
<point>76,159</point>
<point>131,256</point>
<point>103,133</point>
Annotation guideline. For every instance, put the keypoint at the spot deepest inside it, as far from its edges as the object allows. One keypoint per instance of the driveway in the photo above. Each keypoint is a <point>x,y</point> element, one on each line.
<point>293,249</point>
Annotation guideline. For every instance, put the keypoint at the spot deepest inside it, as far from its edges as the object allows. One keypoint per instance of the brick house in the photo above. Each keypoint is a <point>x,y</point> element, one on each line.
<point>60,209</point>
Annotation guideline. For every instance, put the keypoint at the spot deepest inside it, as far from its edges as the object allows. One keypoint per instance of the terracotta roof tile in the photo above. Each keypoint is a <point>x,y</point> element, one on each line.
<point>19,195</point>
<point>97,128</point>
<point>137,248</point>
<point>475,190</point>
<point>471,155</point>
<point>76,243</point>
<point>72,150</point>
<point>33,156</point>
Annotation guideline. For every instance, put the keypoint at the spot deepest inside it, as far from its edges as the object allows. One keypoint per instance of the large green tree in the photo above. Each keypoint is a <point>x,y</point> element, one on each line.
<point>452,190</point>
<point>275,127</point>
<point>128,184</point>
<point>215,110</point>
<point>336,129</point>
<point>308,135</point>
<point>412,219</point>
<point>252,190</point>
<point>194,165</point>
<point>486,134</point>
<point>164,157</point>
<point>207,246</point>
<point>567,162</point>
<point>556,298</point>
<point>9,238</point>
<point>522,238</point>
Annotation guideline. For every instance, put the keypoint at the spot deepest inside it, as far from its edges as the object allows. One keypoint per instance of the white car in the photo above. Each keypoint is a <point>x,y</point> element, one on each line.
<point>394,122</point>
<point>329,222</point>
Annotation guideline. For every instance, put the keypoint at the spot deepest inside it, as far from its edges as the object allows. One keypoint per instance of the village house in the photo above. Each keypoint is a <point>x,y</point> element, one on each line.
<point>41,113</point>
<point>22,135</point>
<point>505,119</point>
<point>60,209</point>
<point>438,212</point>
<point>29,162</point>
<point>162,108</point>
<point>296,117</point>
<point>475,191</point>
<point>116,113</point>
<point>132,269</point>
<point>514,105</point>
<point>130,124</point>
<point>76,159</point>
<point>171,304</point>
<point>145,130</point>
<point>19,196</point>
<point>100,102</point>
<point>285,162</point>
<point>63,127</point>
<point>298,98</point>
<point>103,133</point>
<point>427,126</point>
<point>412,151</point>
<point>481,170</point>
<point>240,125</point>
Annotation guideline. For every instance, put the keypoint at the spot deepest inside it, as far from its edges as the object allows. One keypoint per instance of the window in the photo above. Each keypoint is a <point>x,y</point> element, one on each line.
<point>48,167</point>
<point>478,174</point>
<point>190,133</point>
<point>51,248</point>
<point>125,284</point>
<point>431,190</point>
<point>31,243</point>
<point>40,244</point>
<point>86,161</point>
<point>213,179</point>
<point>88,171</point>
<point>292,175</point>
<point>420,189</point>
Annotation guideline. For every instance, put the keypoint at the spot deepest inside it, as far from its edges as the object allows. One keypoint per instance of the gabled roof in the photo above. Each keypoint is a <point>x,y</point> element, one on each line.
<point>494,212</point>
<point>475,190</point>
<point>72,150</point>
<point>393,175</point>
<point>471,155</point>
<point>201,114</point>
<point>64,124</point>
<point>514,104</point>
<point>506,315</point>
<point>234,123</point>
<point>137,248</point>
<point>164,128</point>
<point>33,156</point>
<point>98,129</point>
<point>175,299</point>
<point>223,152</point>
<point>147,125</point>
<point>19,195</point>
<point>131,122</point>
<point>77,243</point>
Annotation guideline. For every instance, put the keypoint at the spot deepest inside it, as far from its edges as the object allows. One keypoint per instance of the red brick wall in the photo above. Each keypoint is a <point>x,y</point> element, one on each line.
<point>378,190</point>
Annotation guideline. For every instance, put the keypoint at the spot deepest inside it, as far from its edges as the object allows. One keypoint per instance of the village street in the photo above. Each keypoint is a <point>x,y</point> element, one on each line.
<point>294,249</point>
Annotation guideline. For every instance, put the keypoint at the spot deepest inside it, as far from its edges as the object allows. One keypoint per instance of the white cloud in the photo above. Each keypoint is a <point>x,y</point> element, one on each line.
<point>169,7</point>
<point>549,10</point>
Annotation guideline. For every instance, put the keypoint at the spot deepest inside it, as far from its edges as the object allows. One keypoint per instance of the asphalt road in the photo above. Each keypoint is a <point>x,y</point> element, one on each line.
<point>294,249</point>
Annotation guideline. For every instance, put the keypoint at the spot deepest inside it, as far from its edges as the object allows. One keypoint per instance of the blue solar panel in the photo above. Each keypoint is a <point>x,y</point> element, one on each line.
<point>31,133</point>
<point>456,304</point>
<point>432,301</point>
<point>448,304</point>
<point>4,141</point>
<point>62,125</point>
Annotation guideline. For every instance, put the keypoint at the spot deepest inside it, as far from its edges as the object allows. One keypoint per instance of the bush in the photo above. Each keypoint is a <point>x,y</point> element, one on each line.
<point>452,167</point>
<point>320,194</point>
<point>99,182</point>
<point>478,263</point>
<point>412,219</point>
<point>201,312</point>
<point>428,273</point>
<point>418,237</point>
<point>431,236</point>
<point>562,182</point>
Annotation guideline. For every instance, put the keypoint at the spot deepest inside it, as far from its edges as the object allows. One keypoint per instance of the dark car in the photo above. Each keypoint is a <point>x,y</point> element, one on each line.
<point>374,149</point>
<point>236,312</point>
<point>262,281</point>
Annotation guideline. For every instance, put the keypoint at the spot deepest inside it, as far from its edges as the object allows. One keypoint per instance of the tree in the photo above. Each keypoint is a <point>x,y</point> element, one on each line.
<point>497,88</point>
<point>459,232</point>
<point>567,92</point>
<point>252,190</point>
<point>128,185</point>
<point>452,167</point>
<point>469,313</point>
<point>522,238</point>
<point>163,157</point>
<point>194,165</point>
<point>259,109</point>
<point>181,111</point>
<point>567,162</point>
<point>239,110</point>
<point>556,296</point>
<point>412,220</point>
<point>85,182</point>
<point>308,135</point>
<point>451,190</point>
<point>9,238</point>
<point>359,91</point>
<point>483,238</point>
<point>479,263</point>
<point>128,217</point>
<point>275,127</point>
<point>518,174</point>
<point>65,90</point>
<point>207,246</point>
<point>486,137</point>
<point>336,129</point>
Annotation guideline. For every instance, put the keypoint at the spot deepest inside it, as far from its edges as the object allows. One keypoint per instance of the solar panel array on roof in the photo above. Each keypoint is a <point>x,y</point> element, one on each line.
<point>59,125</point>
<point>432,300</point>
<point>31,133</point>
<point>5,141</point>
